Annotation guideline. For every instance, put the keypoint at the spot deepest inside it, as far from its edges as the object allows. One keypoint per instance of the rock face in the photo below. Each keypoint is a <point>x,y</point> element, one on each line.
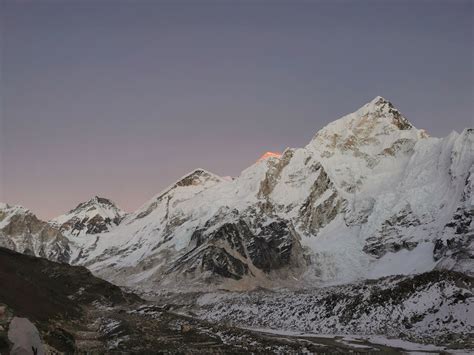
<point>369,196</point>
<point>95,216</point>
<point>234,250</point>
<point>22,231</point>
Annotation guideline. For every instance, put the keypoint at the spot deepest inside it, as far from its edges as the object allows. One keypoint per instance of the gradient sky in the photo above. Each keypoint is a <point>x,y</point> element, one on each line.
<point>120,98</point>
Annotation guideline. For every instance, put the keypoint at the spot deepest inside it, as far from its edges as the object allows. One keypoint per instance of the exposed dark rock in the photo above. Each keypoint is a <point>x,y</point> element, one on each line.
<point>271,248</point>
<point>220,262</point>
<point>235,234</point>
<point>230,249</point>
<point>94,225</point>
<point>212,259</point>
<point>392,235</point>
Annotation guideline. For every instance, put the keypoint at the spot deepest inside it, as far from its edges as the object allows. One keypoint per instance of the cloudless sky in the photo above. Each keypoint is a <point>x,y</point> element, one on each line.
<point>121,98</point>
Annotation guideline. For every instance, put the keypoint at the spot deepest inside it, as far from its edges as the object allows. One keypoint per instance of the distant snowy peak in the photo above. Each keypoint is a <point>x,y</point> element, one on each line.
<point>97,215</point>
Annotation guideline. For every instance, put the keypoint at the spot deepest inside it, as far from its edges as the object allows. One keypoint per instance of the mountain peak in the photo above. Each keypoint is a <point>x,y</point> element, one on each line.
<point>378,114</point>
<point>96,202</point>
<point>197,177</point>
<point>375,126</point>
<point>186,187</point>
<point>379,100</point>
<point>102,201</point>
<point>382,109</point>
<point>268,155</point>
<point>96,215</point>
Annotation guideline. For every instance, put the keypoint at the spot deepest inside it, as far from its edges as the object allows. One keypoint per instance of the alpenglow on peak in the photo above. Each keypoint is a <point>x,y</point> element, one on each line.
<point>267,155</point>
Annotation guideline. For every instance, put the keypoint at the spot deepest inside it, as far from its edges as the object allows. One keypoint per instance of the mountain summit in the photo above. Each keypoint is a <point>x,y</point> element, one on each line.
<point>386,110</point>
<point>375,126</point>
<point>96,215</point>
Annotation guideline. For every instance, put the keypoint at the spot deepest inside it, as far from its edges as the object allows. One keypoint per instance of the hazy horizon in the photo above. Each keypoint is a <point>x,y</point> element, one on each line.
<point>120,100</point>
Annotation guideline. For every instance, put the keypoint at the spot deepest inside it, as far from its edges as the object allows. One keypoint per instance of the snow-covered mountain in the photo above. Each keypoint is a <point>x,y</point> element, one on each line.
<point>369,196</point>
<point>95,216</point>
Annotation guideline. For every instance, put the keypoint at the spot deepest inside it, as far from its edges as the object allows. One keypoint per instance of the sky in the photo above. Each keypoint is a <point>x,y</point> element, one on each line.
<point>121,98</point>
